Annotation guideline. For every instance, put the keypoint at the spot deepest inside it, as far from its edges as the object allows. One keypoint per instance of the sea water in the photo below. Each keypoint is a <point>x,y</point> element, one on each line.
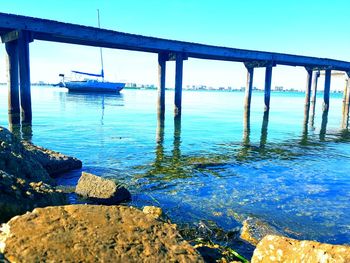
<point>288,171</point>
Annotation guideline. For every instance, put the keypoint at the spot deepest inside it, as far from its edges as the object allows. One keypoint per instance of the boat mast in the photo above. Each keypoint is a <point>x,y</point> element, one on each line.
<point>99,26</point>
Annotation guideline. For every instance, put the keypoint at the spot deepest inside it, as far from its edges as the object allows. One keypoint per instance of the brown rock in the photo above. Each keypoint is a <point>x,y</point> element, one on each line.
<point>17,196</point>
<point>54,162</point>
<point>254,230</point>
<point>16,160</point>
<point>101,190</point>
<point>153,211</point>
<point>283,249</point>
<point>87,233</point>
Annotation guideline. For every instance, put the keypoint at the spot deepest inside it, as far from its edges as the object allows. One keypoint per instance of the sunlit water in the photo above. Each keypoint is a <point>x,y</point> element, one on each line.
<point>205,167</point>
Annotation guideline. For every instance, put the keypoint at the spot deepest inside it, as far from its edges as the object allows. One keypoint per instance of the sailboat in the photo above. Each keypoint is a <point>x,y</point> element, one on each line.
<point>92,85</point>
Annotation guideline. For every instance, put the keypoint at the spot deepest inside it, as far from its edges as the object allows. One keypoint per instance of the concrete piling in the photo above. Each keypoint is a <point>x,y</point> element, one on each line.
<point>308,87</point>
<point>268,78</point>
<point>162,58</point>
<point>327,86</point>
<point>178,84</point>
<point>249,87</point>
<point>24,72</point>
<point>12,81</point>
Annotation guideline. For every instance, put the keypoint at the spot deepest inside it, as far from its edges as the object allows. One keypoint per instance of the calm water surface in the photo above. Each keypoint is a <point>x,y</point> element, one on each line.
<point>208,166</point>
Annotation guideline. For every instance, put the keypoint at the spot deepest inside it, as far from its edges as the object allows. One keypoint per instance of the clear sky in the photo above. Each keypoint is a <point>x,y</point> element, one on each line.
<point>314,28</point>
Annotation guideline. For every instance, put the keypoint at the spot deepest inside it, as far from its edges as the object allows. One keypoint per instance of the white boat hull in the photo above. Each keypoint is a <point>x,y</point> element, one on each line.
<point>94,86</point>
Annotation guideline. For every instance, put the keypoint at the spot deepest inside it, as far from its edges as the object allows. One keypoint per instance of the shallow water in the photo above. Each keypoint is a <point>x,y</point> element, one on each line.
<point>208,165</point>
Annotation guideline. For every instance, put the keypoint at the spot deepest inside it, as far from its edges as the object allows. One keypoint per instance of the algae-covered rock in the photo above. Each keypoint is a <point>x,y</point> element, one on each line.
<point>54,162</point>
<point>254,230</point>
<point>282,249</point>
<point>91,233</point>
<point>101,190</point>
<point>17,196</point>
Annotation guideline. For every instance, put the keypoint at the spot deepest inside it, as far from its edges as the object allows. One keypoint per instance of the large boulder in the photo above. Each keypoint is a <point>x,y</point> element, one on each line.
<point>99,190</point>
<point>16,160</point>
<point>17,196</point>
<point>88,233</point>
<point>54,162</point>
<point>282,249</point>
<point>254,230</point>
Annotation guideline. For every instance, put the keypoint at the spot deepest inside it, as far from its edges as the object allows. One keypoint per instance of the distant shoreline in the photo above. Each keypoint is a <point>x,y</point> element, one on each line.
<point>186,89</point>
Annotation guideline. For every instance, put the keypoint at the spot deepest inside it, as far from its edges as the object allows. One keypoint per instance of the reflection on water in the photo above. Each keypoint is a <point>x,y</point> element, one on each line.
<point>288,167</point>
<point>23,130</point>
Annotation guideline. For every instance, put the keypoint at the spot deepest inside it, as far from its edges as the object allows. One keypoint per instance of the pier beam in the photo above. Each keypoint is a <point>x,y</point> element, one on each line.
<point>327,86</point>
<point>249,87</point>
<point>268,78</point>
<point>178,84</point>
<point>308,87</point>
<point>12,81</point>
<point>24,73</point>
<point>162,58</point>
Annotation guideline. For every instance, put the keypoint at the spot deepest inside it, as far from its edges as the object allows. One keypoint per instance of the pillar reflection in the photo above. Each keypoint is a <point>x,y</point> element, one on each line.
<point>263,137</point>
<point>246,127</point>
<point>304,137</point>
<point>177,139</point>
<point>323,129</point>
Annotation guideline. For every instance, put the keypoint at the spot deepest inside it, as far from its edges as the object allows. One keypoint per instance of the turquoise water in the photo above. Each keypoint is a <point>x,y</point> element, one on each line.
<point>205,167</point>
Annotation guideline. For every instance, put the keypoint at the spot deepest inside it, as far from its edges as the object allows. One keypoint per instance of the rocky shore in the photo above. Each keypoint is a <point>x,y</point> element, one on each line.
<point>40,225</point>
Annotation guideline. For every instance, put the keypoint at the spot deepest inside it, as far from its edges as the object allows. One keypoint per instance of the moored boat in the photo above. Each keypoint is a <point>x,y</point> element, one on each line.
<point>92,85</point>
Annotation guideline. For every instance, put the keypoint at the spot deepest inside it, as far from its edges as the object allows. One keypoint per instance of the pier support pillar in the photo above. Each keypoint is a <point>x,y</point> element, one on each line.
<point>327,86</point>
<point>12,81</point>
<point>248,88</point>
<point>24,73</point>
<point>268,78</point>
<point>316,75</point>
<point>308,88</point>
<point>162,58</point>
<point>178,84</point>
<point>346,104</point>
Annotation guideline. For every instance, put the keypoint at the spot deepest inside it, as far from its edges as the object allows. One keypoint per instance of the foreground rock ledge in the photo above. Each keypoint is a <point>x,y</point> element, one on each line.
<point>283,249</point>
<point>88,233</point>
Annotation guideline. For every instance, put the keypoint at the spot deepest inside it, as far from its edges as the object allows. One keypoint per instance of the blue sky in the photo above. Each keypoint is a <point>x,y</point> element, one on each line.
<point>315,28</point>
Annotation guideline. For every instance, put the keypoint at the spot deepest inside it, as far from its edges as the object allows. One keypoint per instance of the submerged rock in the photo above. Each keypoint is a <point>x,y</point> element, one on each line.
<point>17,196</point>
<point>153,211</point>
<point>88,233</point>
<point>54,162</point>
<point>254,230</point>
<point>17,161</point>
<point>283,249</point>
<point>101,190</point>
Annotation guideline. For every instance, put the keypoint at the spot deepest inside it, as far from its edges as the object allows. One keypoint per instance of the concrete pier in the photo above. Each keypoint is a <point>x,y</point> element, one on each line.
<point>178,84</point>
<point>249,87</point>
<point>162,58</point>
<point>12,81</point>
<point>268,78</point>
<point>24,72</point>
<point>18,31</point>
<point>327,86</point>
